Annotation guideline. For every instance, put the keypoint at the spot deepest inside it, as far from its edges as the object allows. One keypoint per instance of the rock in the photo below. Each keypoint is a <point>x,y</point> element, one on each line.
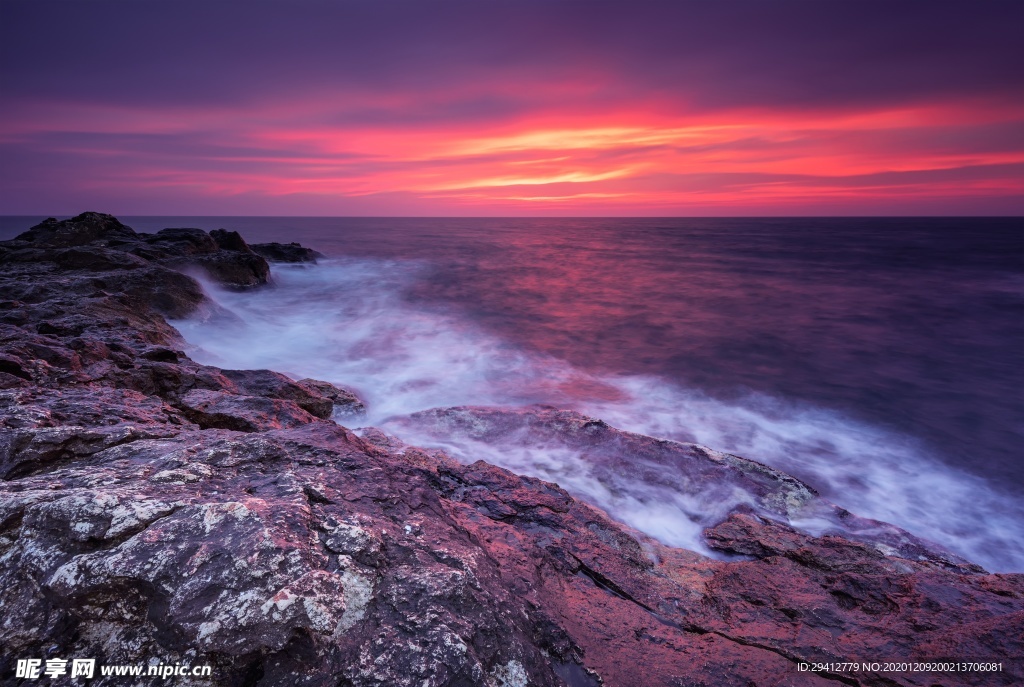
<point>87,227</point>
<point>14,366</point>
<point>166,291</point>
<point>230,268</point>
<point>242,413</point>
<point>229,240</point>
<point>714,483</point>
<point>97,259</point>
<point>81,405</point>
<point>37,450</point>
<point>274,385</point>
<point>344,402</point>
<point>221,255</point>
<point>179,242</point>
<point>286,252</point>
<point>152,507</point>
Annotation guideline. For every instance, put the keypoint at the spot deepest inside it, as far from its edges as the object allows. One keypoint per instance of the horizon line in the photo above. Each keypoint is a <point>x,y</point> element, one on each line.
<point>897,216</point>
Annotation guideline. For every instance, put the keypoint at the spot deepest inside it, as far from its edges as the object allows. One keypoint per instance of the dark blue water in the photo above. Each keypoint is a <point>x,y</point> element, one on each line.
<point>855,352</point>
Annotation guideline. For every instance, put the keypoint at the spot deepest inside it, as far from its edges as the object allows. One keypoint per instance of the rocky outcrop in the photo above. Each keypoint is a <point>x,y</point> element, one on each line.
<point>100,242</point>
<point>152,508</point>
<point>286,252</point>
<point>89,227</point>
<point>711,483</point>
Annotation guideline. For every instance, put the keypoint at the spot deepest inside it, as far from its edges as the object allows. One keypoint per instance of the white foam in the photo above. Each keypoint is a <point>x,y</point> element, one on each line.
<point>348,322</point>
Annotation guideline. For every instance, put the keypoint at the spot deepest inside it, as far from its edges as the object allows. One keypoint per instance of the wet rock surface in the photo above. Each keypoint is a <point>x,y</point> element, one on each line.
<point>155,508</point>
<point>97,242</point>
<point>286,252</point>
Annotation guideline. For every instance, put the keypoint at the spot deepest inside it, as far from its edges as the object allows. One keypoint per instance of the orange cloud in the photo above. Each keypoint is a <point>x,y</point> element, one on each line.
<point>615,162</point>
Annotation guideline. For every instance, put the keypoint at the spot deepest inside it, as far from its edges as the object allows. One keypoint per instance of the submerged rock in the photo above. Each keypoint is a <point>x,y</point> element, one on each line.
<point>155,508</point>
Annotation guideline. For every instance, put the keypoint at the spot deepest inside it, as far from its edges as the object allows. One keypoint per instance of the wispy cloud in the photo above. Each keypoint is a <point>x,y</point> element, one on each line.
<point>608,113</point>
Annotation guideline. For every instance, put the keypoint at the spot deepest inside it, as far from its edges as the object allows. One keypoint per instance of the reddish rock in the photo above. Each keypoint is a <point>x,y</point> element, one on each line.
<point>210,409</point>
<point>344,402</point>
<point>275,385</point>
<point>151,507</point>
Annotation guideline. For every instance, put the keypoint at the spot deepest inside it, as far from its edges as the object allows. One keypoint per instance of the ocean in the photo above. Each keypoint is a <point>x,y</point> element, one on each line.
<point>877,359</point>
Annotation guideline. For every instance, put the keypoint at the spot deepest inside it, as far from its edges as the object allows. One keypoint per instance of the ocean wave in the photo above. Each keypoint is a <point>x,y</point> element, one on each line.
<point>348,321</point>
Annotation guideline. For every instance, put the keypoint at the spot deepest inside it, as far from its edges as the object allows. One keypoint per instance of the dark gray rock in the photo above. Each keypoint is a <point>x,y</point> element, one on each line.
<point>166,291</point>
<point>179,242</point>
<point>97,259</point>
<point>228,267</point>
<point>229,240</point>
<point>286,252</point>
<point>86,228</point>
<point>221,255</point>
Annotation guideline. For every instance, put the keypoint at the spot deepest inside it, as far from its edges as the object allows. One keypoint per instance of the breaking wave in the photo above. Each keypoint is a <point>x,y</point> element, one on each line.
<point>348,321</point>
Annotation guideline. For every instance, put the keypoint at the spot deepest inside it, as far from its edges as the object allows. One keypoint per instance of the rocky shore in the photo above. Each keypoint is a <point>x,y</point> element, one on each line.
<point>153,509</point>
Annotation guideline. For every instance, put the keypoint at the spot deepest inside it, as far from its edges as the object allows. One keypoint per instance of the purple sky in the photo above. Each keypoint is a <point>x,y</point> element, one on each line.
<point>512,108</point>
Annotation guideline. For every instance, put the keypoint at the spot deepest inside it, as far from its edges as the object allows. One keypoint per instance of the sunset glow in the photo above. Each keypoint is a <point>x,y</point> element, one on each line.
<point>592,135</point>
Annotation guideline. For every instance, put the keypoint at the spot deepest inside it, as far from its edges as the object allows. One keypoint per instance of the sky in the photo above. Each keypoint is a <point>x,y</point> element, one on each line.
<point>510,108</point>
